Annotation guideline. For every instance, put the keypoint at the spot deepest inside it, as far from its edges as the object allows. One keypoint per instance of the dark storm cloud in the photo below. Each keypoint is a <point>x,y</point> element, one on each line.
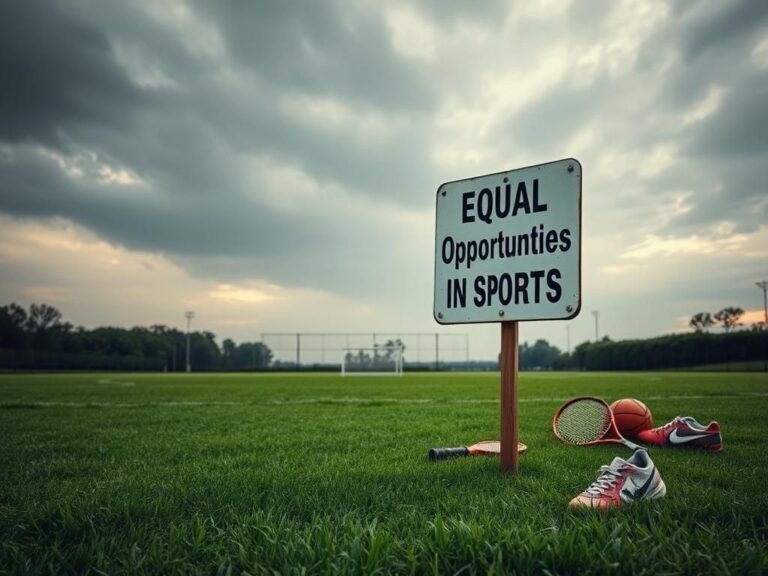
<point>741,128</point>
<point>701,49</point>
<point>489,13</point>
<point>197,108</point>
<point>724,190</point>
<point>707,43</point>
<point>722,157</point>
<point>189,142</point>
<point>54,69</point>
<point>299,52</point>
<point>316,48</point>
<point>721,24</point>
<point>221,238</point>
<point>202,225</point>
<point>556,116</point>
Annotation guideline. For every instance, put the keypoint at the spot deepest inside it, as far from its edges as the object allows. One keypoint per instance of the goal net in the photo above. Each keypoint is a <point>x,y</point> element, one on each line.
<point>373,361</point>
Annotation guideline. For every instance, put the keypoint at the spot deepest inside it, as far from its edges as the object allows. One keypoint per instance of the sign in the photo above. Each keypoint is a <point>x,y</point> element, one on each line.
<point>508,246</point>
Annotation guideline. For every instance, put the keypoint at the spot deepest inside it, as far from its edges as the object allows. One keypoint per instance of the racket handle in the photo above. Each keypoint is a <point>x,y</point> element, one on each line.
<point>443,453</point>
<point>631,445</point>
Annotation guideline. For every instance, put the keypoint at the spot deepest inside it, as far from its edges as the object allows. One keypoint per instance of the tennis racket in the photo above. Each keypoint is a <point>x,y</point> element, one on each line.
<point>587,420</point>
<point>485,448</point>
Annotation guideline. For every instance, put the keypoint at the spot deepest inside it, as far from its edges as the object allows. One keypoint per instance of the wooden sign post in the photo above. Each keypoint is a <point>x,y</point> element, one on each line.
<point>508,249</point>
<point>509,425</point>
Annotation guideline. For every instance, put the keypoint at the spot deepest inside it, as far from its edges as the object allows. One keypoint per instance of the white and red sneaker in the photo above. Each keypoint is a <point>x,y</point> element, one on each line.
<point>623,482</point>
<point>685,432</point>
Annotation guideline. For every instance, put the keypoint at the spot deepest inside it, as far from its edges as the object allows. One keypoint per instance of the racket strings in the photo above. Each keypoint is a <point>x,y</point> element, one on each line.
<point>583,421</point>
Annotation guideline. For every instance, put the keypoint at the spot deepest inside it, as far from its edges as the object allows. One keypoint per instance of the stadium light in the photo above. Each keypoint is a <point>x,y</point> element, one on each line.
<point>764,285</point>
<point>596,314</point>
<point>188,315</point>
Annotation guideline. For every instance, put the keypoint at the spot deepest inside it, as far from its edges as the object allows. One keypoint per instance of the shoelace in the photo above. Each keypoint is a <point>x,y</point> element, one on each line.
<point>672,423</point>
<point>607,478</point>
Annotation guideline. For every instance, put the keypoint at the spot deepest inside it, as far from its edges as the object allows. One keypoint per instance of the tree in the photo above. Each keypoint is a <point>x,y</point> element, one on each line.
<point>261,355</point>
<point>543,354</point>
<point>176,342</point>
<point>360,360</point>
<point>13,326</point>
<point>701,322</point>
<point>246,356</point>
<point>228,349</point>
<point>389,348</point>
<point>40,328</point>
<point>204,352</point>
<point>111,341</point>
<point>729,317</point>
<point>540,356</point>
<point>155,347</point>
<point>153,344</point>
<point>42,317</point>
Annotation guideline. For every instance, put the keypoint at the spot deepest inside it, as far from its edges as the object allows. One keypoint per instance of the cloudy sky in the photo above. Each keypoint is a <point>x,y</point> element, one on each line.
<point>273,165</point>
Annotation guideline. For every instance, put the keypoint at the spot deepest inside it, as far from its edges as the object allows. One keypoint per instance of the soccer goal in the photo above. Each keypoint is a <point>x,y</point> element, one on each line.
<point>374,361</point>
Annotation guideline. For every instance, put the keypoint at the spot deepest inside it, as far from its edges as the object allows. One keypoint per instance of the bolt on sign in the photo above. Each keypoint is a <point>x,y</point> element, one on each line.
<point>508,246</point>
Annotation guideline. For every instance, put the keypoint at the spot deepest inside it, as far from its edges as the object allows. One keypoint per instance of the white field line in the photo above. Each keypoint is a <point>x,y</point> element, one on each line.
<point>42,404</point>
<point>116,382</point>
<point>344,401</point>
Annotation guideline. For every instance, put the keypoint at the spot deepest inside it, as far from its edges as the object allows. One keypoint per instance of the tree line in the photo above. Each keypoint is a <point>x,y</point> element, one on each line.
<point>701,347</point>
<point>672,351</point>
<point>38,337</point>
<point>728,318</point>
<point>731,346</point>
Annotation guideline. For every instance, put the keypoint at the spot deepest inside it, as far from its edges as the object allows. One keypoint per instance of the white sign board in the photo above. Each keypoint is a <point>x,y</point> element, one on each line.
<point>508,246</point>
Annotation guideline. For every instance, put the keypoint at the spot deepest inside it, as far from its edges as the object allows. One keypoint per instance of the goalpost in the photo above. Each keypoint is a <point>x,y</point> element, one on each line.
<point>372,361</point>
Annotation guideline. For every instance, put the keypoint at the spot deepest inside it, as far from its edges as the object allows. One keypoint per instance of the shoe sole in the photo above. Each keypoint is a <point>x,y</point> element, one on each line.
<point>716,446</point>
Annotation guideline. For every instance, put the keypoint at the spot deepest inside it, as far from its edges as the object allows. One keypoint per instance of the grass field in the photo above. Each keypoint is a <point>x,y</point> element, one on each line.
<point>312,473</point>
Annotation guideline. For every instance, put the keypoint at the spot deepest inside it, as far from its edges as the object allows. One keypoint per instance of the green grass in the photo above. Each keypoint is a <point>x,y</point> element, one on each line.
<point>754,366</point>
<point>316,474</point>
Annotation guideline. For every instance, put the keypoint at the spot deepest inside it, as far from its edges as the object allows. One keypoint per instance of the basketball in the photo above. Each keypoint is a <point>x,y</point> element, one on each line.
<point>632,416</point>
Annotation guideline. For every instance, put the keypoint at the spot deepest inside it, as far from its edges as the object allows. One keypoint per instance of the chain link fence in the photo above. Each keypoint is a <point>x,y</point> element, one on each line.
<point>421,351</point>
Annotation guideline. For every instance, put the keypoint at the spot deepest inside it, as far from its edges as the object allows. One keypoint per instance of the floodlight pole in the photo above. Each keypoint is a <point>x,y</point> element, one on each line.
<point>509,378</point>
<point>596,314</point>
<point>764,286</point>
<point>188,315</point>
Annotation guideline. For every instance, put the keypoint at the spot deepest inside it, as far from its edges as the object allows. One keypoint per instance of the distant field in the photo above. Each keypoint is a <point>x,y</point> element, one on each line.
<point>313,473</point>
<point>756,366</point>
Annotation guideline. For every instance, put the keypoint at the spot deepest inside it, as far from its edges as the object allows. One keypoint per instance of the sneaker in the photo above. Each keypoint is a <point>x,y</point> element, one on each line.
<point>623,482</point>
<point>685,431</point>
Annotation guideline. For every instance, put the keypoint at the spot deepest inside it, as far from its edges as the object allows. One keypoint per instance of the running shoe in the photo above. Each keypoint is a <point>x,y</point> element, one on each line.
<point>685,431</point>
<point>623,482</point>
